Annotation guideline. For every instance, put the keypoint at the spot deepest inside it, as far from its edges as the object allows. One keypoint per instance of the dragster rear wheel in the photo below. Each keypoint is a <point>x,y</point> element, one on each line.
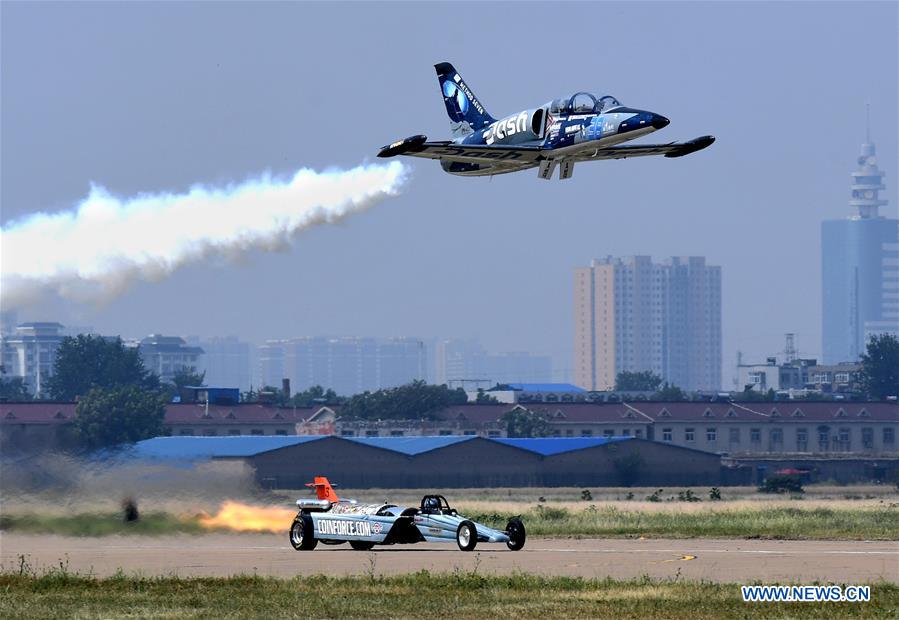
<point>516,533</point>
<point>302,533</point>
<point>467,536</point>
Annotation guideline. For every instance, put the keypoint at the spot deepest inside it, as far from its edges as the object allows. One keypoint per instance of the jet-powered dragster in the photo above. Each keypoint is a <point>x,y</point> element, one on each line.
<point>332,521</point>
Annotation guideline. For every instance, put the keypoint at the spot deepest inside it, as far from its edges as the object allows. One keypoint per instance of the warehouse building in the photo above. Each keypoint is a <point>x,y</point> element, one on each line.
<point>447,461</point>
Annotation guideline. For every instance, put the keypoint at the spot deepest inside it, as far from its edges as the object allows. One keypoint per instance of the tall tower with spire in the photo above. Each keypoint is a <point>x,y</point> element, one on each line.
<point>867,180</point>
<point>860,266</point>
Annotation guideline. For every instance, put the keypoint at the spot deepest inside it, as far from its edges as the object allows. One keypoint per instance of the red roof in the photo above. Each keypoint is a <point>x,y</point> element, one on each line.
<point>698,411</point>
<point>635,412</point>
<point>589,412</point>
<point>480,414</point>
<point>176,414</point>
<point>36,413</point>
<point>772,411</point>
<point>558,412</point>
<point>196,414</point>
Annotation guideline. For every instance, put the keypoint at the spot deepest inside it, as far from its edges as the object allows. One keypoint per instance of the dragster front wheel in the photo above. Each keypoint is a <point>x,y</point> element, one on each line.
<point>302,535</point>
<point>467,536</point>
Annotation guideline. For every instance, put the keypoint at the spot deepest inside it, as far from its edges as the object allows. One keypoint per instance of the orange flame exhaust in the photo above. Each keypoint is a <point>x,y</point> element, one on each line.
<point>246,518</point>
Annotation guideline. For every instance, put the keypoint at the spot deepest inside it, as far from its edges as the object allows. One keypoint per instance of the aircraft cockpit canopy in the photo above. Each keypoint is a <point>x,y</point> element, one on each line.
<point>583,103</point>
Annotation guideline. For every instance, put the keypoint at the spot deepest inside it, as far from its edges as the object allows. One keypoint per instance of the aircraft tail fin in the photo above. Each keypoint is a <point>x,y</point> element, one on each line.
<point>466,113</point>
<point>323,489</point>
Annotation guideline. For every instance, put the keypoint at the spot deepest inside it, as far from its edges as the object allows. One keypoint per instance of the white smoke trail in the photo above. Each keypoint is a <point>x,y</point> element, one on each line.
<point>97,250</point>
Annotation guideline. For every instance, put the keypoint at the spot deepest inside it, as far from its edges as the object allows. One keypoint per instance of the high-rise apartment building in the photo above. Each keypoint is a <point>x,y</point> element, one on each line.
<point>633,315</point>
<point>859,267</point>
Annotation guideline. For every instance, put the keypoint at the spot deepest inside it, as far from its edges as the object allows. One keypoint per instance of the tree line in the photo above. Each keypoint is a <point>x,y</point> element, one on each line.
<point>120,401</point>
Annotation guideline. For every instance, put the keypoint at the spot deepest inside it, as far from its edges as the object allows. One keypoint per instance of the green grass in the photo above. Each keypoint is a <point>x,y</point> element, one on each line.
<point>422,595</point>
<point>778,523</point>
<point>791,523</point>
<point>87,524</point>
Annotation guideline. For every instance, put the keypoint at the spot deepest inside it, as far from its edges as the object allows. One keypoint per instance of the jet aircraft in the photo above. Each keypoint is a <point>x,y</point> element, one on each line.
<point>561,133</point>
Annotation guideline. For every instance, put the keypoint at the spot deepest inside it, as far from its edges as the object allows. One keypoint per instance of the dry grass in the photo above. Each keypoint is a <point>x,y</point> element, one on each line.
<point>854,492</point>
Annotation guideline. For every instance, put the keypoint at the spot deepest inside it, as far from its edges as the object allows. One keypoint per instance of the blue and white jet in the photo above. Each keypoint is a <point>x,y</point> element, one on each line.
<point>580,127</point>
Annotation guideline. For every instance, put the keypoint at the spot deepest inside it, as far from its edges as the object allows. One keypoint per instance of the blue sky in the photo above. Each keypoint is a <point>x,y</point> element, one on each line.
<point>159,96</point>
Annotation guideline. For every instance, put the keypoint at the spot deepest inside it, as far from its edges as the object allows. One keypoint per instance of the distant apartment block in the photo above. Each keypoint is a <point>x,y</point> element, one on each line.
<point>459,361</point>
<point>631,314</point>
<point>226,361</point>
<point>859,268</point>
<point>347,365</point>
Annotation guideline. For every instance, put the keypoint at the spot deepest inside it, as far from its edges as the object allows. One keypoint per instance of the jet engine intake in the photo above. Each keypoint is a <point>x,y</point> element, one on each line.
<point>526,126</point>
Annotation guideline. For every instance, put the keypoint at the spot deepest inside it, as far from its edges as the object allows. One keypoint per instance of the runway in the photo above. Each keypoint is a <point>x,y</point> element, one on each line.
<point>737,561</point>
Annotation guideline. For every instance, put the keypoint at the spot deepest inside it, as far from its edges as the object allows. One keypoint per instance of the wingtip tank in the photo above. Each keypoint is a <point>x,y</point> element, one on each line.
<point>691,146</point>
<point>402,146</point>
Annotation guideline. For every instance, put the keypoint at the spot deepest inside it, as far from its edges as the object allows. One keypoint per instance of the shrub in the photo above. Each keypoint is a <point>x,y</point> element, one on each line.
<point>688,496</point>
<point>655,497</point>
<point>782,483</point>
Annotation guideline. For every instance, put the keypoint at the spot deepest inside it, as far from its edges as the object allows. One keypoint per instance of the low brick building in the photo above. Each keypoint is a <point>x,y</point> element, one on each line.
<point>33,427</point>
<point>778,428</point>
<point>738,429</point>
<point>243,419</point>
<point>765,429</point>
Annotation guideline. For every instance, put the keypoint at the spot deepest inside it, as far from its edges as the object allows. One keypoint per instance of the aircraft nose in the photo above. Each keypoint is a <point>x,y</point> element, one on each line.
<point>659,121</point>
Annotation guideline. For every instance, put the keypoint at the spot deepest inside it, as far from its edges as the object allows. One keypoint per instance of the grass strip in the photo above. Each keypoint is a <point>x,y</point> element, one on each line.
<point>455,595</point>
<point>103,524</point>
<point>788,523</point>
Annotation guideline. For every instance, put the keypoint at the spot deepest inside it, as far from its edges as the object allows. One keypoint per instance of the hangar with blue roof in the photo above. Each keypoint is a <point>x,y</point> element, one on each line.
<point>446,461</point>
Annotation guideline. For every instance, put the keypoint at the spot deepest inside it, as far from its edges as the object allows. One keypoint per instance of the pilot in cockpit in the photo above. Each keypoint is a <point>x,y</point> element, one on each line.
<point>431,506</point>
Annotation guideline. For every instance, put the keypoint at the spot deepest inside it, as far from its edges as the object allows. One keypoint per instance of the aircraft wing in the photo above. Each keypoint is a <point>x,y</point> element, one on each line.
<point>418,146</point>
<point>671,149</point>
<point>520,157</point>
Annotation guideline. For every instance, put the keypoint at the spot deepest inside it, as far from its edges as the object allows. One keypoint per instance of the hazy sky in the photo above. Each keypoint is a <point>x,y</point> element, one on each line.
<point>159,96</point>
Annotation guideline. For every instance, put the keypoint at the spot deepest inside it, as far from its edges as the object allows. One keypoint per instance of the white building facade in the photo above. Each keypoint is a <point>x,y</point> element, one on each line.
<point>30,353</point>
<point>165,356</point>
